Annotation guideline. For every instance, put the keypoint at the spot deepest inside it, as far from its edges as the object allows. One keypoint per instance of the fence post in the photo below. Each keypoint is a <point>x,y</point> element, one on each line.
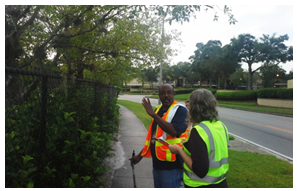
<point>96,100</point>
<point>42,131</point>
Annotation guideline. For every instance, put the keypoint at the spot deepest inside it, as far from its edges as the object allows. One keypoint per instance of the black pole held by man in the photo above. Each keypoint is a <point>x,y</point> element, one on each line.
<point>132,164</point>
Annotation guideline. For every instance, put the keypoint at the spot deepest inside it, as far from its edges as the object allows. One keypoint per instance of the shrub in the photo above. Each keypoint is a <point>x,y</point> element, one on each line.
<point>190,90</point>
<point>69,151</point>
<point>282,93</point>
<point>250,95</point>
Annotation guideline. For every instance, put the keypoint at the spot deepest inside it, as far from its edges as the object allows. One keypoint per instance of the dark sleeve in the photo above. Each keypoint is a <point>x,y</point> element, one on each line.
<point>179,120</point>
<point>199,154</point>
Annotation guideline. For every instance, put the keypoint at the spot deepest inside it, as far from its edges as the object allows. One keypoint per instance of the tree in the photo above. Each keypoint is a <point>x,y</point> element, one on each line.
<point>125,43</point>
<point>271,75</point>
<point>150,75</point>
<point>290,75</point>
<point>101,42</point>
<point>238,79</point>
<point>228,63</point>
<point>206,59</point>
<point>182,70</point>
<point>266,50</point>
<point>92,38</point>
<point>182,13</point>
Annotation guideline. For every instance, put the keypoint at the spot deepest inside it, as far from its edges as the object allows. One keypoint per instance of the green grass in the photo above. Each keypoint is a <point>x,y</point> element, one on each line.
<point>181,97</point>
<point>247,170</point>
<point>253,170</point>
<point>139,111</point>
<point>254,107</point>
<point>250,106</point>
<point>238,103</point>
<point>137,93</point>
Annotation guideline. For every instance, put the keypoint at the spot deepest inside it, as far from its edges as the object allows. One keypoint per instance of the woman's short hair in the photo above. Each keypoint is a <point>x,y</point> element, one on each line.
<point>203,106</point>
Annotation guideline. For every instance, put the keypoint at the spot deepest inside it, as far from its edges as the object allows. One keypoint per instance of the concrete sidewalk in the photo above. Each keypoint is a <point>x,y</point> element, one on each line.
<point>132,134</point>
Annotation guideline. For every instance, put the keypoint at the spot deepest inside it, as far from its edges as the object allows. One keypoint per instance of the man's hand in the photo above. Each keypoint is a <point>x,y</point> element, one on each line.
<point>136,159</point>
<point>148,107</point>
<point>165,126</point>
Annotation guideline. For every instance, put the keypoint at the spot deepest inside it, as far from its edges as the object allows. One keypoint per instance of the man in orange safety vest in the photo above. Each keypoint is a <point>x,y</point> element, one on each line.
<point>169,123</point>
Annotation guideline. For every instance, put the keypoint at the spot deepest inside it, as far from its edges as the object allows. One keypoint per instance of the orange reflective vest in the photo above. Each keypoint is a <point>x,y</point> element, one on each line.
<point>189,128</point>
<point>162,152</point>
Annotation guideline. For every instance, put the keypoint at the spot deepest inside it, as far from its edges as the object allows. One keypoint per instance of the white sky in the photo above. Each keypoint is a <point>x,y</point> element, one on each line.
<point>252,19</point>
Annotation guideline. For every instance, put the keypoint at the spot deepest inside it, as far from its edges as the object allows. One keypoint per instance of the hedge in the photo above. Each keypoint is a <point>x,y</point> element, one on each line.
<point>281,93</point>
<point>190,90</point>
<point>250,95</point>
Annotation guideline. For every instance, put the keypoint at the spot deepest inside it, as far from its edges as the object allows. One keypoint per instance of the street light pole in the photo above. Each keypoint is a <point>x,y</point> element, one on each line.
<point>161,75</point>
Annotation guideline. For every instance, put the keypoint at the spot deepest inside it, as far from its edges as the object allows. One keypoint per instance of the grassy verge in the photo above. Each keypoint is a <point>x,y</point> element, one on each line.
<point>254,107</point>
<point>250,106</point>
<point>253,170</point>
<point>247,170</point>
<point>139,111</point>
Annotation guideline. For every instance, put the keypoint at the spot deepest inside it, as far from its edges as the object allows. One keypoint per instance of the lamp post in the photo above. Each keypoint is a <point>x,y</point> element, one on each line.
<point>161,75</point>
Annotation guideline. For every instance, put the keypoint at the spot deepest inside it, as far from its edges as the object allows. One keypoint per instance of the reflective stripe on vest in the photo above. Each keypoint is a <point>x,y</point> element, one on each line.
<point>208,179</point>
<point>170,116</point>
<point>212,162</point>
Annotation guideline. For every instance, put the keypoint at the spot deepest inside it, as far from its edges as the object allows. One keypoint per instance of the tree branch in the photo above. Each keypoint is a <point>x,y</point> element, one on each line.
<point>260,67</point>
<point>33,17</point>
<point>101,21</point>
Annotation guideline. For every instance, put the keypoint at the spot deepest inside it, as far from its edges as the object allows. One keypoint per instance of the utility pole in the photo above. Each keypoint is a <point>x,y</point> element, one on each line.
<point>161,75</point>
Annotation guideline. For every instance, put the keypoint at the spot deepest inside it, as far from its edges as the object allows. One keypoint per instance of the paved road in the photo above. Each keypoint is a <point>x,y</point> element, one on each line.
<point>271,132</point>
<point>138,99</point>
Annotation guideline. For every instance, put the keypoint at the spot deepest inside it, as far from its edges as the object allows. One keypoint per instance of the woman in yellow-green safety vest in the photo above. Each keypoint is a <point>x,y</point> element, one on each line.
<point>205,153</point>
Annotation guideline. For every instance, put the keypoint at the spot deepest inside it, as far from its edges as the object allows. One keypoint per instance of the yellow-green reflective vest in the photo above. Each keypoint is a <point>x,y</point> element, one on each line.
<point>215,136</point>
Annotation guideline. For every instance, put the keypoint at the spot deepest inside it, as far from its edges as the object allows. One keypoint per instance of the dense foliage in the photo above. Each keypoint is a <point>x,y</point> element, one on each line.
<point>269,51</point>
<point>282,93</point>
<point>60,135</point>
<point>87,40</point>
<point>237,95</point>
<point>190,90</point>
<point>252,95</point>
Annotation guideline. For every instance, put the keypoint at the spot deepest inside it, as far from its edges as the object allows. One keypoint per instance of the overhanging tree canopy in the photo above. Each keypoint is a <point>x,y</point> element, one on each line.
<point>91,38</point>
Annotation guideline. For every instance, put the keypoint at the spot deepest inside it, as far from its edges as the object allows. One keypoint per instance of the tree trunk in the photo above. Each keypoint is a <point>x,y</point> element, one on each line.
<point>250,79</point>
<point>219,81</point>
<point>80,70</point>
